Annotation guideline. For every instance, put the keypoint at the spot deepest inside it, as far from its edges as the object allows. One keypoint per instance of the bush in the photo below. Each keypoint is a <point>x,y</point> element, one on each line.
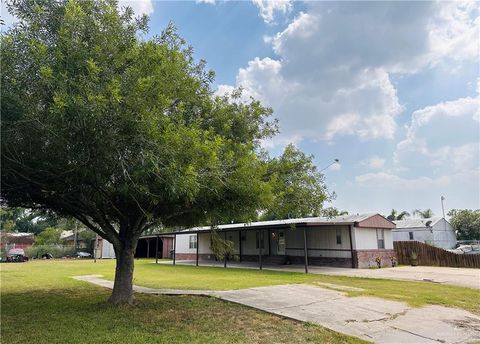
<point>57,251</point>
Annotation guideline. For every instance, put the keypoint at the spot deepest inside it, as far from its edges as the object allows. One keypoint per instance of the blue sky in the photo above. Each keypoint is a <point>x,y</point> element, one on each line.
<point>389,88</point>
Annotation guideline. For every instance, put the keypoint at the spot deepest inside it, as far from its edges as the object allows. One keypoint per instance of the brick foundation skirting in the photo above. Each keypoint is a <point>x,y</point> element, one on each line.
<point>367,258</point>
<point>362,259</point>
<point>192,256</point>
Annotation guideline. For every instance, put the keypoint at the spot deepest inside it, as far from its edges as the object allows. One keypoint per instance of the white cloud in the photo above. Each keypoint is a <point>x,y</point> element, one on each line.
<point>270,8</point>
<point>335,167</point>
<point>454,32</point>
<point>439,156</point>
<point>374,162</point>
<point>209,2</point>
<point>140,7</point>
<point>388,190</point>
<point>330,79</point>
<point>442,138</point>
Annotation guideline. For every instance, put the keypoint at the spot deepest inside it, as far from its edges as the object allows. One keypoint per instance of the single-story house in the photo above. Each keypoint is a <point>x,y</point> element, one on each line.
<point>437,232</point>
<point>68,237</point>
<point>350,241</point>
<point>146,247</point>
<point>11,240</point>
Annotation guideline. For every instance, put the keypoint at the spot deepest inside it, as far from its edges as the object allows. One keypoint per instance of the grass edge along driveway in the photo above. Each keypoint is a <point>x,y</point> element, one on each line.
<point>40,303</point>
<point>151,275</point>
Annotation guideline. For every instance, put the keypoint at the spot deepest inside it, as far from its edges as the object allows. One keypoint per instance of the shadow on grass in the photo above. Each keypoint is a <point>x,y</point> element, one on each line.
<point>79,315</point>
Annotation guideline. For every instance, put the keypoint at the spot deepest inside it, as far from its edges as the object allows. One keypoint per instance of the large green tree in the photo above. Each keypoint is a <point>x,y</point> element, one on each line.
<point>298,187</point>
<point>26,220</point>
<point>119,131</point>
<point>466,222</point>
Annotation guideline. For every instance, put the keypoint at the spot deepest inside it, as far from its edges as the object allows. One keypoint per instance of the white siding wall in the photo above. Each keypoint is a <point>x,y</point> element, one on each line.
<point>441,235</point>
<point>366,239</point>
<point>182,244</point>
<point>444,235</point>
<point>107,250</point>
<point>388,239</point>
<point>419,234</point>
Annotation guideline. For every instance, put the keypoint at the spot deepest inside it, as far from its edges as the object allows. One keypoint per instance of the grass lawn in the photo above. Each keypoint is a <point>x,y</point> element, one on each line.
<point>214,278</point>
<point>40,303</point>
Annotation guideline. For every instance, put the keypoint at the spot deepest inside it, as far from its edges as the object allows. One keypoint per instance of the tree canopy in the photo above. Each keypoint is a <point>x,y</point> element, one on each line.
<point>124,133</point>
<point>298,187</point>
<point>466,222</point>
<point>121,132</point>
<point>425,214</point>
<point>25,220</point>
<point>395,215</point>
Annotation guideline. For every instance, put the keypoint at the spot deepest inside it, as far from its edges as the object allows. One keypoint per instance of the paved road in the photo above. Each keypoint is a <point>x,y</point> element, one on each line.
<point>370,318</point>
<point>455,276</point>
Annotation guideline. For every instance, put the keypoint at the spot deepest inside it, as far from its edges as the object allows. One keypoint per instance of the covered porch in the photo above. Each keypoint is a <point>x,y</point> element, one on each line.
<point>278,245</point>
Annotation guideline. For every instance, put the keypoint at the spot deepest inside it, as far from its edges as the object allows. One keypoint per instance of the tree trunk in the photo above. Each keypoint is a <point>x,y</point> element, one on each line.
<point>122,288</point>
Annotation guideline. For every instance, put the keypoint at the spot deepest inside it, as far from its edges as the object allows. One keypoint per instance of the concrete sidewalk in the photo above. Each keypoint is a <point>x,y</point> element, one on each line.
<point>370,318</point>
<point>455,276</point>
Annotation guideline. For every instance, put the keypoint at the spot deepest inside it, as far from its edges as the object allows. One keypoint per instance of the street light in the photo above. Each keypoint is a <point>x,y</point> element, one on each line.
<point>335,161</point>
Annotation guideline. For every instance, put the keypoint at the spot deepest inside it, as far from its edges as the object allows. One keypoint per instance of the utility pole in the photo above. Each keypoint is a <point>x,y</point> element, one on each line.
<point>443,212</point>
<point>443,209</point>
<point>95,249</point>
<point>75,234</point>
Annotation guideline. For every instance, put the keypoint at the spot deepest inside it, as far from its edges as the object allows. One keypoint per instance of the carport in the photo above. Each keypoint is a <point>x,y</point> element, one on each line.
<point>154,246</point>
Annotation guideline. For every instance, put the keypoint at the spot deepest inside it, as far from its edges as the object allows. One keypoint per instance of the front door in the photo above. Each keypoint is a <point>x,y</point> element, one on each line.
<point>281,243</point>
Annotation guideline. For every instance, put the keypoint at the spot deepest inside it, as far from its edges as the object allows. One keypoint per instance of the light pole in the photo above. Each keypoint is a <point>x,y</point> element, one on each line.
<point>443,212</point>
<point>443,209</point>
<point>335,161</point>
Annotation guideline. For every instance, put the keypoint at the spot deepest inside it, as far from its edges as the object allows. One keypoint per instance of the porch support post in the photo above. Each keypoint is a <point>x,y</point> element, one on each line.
<point>225,252</point>
<point>305,249</point>
<point>239,245</point>
<point>260,249</point>
<point>156,250</point>
<point>351,245</point>
<point>148,248</point>
<point>196,253</point>
<point>174,247</point>
<point>269,243</point>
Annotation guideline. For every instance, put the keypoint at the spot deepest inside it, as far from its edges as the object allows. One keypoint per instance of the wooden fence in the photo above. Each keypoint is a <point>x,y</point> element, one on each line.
<point>433,256</point>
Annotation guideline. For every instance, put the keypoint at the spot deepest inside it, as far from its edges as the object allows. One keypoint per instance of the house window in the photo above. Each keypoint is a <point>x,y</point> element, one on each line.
<point>192,241</point>
<point>410,235</point>
<point>339,236</point>
<point>258,240</point>
<point>381,238</point>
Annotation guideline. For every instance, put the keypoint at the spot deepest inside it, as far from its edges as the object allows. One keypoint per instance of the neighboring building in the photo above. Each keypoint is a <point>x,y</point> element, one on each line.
<point>10,241</point>
<point>437,232</point>
<point>349,241</point>
<point>68,237</point>
<point>145,247</point>
<point>104,249</point>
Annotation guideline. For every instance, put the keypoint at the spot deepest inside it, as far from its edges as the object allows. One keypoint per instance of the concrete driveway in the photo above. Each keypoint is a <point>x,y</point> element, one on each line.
<point>374,319</point>
<point>455,276</point>
<point>370,318</point>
